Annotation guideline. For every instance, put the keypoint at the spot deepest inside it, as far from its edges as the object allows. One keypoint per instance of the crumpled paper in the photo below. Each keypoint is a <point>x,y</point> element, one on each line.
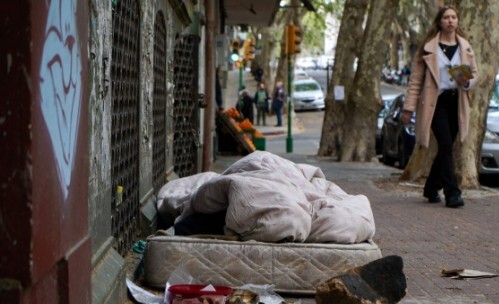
<point>460,274</point>
<point>141,295</point>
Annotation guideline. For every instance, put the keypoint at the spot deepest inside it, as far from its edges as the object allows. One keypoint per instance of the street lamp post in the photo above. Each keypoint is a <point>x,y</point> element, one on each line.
<point>289,139</point>
<point>240,75</point>
<point>293,40</point>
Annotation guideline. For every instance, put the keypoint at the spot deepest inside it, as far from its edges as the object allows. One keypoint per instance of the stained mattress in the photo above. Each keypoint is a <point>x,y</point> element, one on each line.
<point>290,267</point>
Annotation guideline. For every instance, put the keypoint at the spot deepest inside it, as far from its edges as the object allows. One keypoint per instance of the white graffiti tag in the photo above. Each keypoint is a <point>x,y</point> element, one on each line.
<point>60,85</point>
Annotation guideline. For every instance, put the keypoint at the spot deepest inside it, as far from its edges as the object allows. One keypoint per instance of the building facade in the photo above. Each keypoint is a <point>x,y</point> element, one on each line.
<point>104,102</point>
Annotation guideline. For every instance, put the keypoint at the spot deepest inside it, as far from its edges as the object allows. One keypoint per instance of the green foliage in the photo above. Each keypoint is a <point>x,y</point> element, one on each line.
<point>329,6</point>
<point>314,24</point>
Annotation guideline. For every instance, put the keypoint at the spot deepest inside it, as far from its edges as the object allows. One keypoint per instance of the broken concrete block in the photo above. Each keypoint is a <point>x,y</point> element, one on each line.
<point>381,281</point>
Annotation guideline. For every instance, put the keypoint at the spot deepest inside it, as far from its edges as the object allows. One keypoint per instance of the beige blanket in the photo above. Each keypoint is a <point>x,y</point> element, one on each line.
<point>271,199</point>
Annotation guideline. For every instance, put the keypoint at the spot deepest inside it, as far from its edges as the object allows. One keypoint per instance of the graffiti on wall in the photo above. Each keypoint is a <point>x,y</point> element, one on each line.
<point>60,85</point>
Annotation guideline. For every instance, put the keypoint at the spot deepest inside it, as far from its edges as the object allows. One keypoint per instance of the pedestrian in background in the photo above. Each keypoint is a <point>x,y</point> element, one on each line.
<point>259,74</point>
<point>262,103</point>
<point>441,102</point>
<point>218,91</point>
<point>406,72</point>
<point>245,105</point>
<point>278,102</point>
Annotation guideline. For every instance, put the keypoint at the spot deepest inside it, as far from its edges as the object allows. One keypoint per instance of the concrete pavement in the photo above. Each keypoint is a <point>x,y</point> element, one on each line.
<point>230,98</point>
<point>428,237</point>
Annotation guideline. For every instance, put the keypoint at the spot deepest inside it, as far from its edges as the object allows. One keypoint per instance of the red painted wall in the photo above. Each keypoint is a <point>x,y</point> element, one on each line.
<point>44,197</point>
<point>15,112</point>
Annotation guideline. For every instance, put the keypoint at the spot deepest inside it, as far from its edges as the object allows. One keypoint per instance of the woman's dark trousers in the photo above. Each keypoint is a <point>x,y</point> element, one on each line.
<point>445,127</point>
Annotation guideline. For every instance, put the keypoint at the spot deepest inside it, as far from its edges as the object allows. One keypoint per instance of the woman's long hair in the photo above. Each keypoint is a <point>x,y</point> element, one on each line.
<point>435,28</point>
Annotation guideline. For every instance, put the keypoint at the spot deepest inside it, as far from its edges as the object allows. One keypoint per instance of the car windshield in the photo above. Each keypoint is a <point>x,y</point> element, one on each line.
<point>308,86</point>
<point>494,101</point>
<point>384,110</point>
<point>383,113</point>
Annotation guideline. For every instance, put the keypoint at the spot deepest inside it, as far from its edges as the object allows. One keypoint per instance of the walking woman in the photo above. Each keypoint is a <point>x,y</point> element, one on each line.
<point>441,102</point>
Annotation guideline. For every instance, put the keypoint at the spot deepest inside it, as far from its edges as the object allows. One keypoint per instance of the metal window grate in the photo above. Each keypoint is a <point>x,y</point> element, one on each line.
<point>185,109</point>
<point>125,124</point>
<point>159,104</point>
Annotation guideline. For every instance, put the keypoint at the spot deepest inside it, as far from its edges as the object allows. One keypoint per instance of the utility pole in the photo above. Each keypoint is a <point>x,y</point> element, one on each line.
<point>289,138</point>
<point>293,40</point>
<point>240,75</point>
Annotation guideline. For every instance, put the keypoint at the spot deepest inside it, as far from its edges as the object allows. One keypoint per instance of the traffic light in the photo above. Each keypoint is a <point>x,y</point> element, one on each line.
<point>234,56</point>
<point>293,39</point>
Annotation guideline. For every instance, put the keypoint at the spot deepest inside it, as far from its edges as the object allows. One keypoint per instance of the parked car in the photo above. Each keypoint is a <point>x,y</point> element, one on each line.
<point>307,95</point>
<point>387,100</point>
<point>299,73</point>
<point>490,146</point>
<point>494,100</point>
<point>397,139</point>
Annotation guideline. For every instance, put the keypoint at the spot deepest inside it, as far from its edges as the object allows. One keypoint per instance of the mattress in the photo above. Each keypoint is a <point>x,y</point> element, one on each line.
<point>289,267</point>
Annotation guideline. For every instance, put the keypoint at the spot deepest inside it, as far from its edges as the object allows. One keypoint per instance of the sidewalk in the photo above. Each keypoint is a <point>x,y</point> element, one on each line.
<point>231,96</point>
<point>428,237</point>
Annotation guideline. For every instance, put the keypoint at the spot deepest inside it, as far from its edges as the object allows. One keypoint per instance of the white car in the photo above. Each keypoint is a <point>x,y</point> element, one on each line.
<point>299,73</point>
<point>307,95</point>
<point>489,163</point>
<point>494,101</point>
<point>490,146</point>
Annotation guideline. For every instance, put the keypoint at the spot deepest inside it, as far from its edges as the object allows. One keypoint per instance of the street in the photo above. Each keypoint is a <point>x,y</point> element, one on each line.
<point>306,139</point>
<point>428,237</point>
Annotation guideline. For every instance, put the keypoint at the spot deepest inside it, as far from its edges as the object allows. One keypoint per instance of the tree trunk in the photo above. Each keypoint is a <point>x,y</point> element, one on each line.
<point>267,45</point>
<point>293,17</point>
<point>419,164</point>
<point>394,50</point>
<point>479,19</point>
<point>362,109</point>
<point>349,38</point>
<point>415,12</point>
<point>407,51</point>
<point>281,63</point>
<point>421,159</point>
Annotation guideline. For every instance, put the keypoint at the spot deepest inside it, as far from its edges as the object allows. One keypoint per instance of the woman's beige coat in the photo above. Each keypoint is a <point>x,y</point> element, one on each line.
<point>422,92</point>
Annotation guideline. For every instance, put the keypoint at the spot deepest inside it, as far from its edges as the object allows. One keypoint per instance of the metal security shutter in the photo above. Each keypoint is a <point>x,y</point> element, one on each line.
<point>186,108</point>
<point>125,67</point>
<point>159,104</point>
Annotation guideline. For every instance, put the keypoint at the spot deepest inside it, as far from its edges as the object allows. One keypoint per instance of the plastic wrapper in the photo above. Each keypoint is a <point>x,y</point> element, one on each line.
<point>141,295</point>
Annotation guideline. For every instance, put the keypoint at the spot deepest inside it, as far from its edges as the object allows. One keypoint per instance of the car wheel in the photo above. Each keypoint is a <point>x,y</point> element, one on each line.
<point>387,159</point>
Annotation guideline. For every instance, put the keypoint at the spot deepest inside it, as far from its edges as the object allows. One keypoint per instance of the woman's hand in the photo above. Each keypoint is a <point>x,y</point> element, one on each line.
<point>405,118</point>
<point>464,82</point>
